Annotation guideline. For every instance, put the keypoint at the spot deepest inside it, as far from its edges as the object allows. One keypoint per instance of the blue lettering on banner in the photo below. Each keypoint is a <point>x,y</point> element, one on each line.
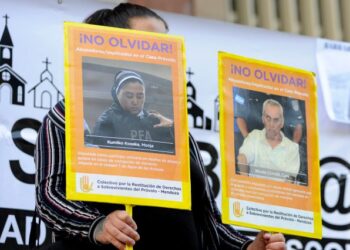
<point>337,46</point>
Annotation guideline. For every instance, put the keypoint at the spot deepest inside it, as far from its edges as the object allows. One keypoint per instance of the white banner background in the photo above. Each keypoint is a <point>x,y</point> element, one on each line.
<point>36,29</point>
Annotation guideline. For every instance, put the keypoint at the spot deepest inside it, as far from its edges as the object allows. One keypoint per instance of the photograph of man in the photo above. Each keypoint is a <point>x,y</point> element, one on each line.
<point>268,152</point>
<point>245,100</point>
<point>247,117</point>
<point>127,125</point>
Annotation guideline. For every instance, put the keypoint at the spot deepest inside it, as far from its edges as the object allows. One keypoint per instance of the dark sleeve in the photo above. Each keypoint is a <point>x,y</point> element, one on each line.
<point>228,238</point>
<point>104,125</point>
<point>66,218</point>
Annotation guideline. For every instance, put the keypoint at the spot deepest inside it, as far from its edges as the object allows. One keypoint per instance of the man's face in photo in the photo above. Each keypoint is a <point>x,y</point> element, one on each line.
<point>273,120</point>
<point>132,97</point>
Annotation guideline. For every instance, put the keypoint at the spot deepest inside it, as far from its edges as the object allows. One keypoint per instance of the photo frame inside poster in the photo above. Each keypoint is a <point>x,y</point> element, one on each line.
<point>128,105</point>
<point>260,116</point>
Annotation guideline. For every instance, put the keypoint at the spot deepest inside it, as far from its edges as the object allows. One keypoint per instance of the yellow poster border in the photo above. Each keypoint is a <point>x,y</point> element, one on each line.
<point>71,184</point>
<point>315,185</point>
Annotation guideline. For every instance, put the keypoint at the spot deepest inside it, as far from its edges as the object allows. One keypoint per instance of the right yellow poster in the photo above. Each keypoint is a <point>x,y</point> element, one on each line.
<point>269,146</point>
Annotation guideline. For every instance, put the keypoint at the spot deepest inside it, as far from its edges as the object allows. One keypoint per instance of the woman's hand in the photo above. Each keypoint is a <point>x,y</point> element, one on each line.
<point>164,122</point>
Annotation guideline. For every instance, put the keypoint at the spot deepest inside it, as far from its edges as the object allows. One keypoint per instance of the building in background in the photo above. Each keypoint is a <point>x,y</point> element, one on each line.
<point>317,18</point>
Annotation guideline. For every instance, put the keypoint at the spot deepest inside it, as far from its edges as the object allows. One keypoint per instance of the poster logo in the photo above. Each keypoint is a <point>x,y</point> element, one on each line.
<point>85,184</point>
<point>237,210</point>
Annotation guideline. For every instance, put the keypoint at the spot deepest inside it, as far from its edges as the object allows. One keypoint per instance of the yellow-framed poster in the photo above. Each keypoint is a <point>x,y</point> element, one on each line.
<point>269,146</point>
<point>126,117</point>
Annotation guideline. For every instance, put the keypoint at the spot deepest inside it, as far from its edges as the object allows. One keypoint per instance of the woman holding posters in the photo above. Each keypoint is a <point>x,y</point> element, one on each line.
<point>87,225</point>
<point>127,119</point>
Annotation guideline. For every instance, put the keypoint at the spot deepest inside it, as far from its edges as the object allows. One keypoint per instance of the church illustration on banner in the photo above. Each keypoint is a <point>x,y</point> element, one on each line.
<point>12,85</point>
<point>46,94</point>
<point>196,113</point>
<point>10,82</point>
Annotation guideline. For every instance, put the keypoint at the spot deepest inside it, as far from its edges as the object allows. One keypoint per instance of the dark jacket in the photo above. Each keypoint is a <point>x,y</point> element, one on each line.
<point>117,128</point>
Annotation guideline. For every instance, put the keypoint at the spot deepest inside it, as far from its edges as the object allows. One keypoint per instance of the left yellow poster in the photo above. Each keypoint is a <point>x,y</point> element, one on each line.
<point>126,117</point>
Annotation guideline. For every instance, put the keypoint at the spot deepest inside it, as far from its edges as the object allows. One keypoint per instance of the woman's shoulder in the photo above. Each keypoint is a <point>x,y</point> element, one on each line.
<point>109,113</point>
<point>57,115</point>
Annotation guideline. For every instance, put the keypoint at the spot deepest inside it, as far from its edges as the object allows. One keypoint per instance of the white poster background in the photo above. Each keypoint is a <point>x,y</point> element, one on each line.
<point>36,29</point>
<point>333,59</point>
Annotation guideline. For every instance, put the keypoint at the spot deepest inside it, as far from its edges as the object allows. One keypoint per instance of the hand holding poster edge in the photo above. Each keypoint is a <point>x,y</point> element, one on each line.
<point>226,207</point>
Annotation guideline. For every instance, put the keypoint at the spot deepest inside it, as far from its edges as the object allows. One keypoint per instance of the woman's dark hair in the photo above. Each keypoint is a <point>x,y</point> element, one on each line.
<point>120,16</point>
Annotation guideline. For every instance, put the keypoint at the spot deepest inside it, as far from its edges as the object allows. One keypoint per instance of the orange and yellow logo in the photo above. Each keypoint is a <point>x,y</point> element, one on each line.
<point>237,210</point>
<point>85,184</point>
